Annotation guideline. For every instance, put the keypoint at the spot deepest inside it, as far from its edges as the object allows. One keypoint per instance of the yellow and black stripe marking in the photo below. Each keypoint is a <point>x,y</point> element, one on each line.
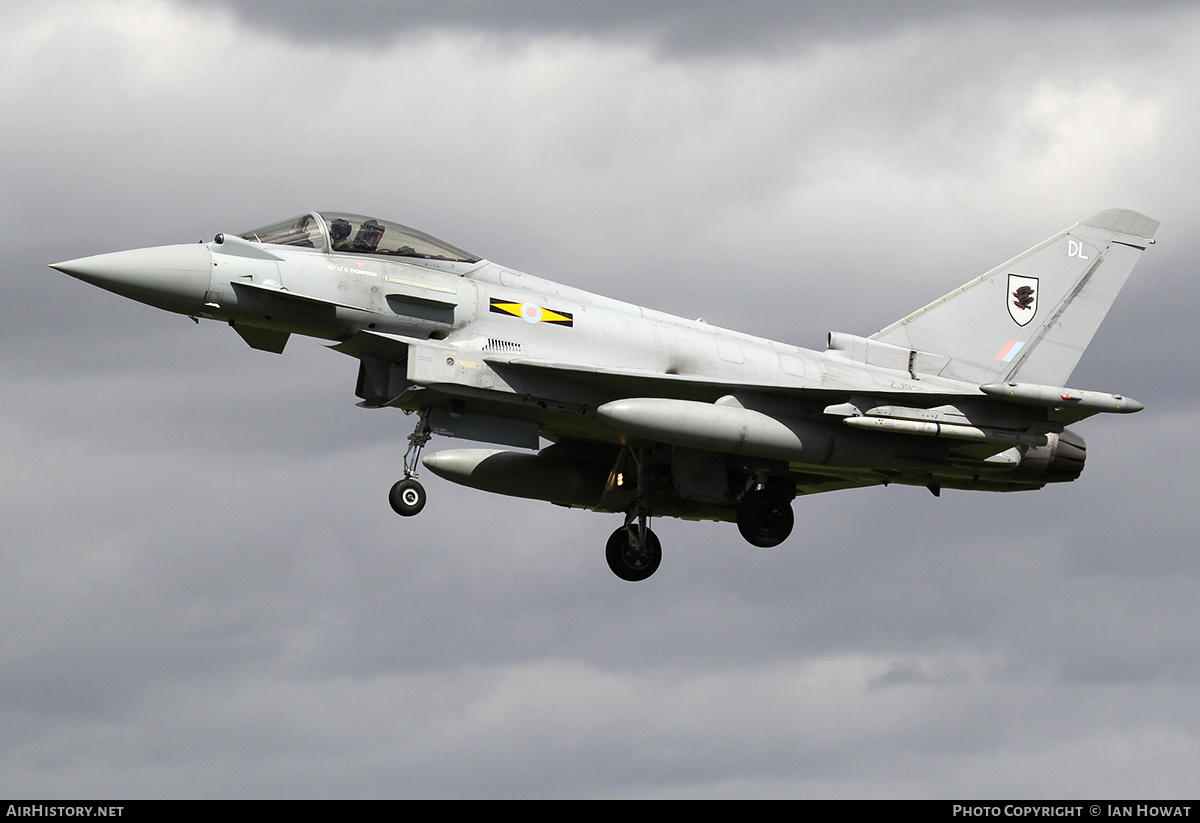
<point>532,313</point>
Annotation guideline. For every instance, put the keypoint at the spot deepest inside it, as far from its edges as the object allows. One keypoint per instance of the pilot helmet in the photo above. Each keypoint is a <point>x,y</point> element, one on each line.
<point>370,234</point>
<point>339,231</point>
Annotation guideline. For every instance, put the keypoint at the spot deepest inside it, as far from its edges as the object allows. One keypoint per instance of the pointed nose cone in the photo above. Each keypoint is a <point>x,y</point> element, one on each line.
<point>174,278</point>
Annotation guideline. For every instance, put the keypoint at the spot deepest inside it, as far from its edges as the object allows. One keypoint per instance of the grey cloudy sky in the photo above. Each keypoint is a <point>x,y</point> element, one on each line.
<point>205,594</point>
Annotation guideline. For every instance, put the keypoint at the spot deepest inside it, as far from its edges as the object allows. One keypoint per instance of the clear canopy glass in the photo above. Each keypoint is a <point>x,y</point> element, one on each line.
<point>305,231</point>
<point>356,234</point>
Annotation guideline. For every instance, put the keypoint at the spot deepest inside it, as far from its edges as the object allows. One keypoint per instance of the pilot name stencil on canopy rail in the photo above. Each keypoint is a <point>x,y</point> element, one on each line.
<point>650,414</point>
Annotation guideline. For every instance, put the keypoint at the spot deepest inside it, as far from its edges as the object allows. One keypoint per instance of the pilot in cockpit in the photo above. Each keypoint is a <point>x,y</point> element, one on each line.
<point>339,234</point>
<point>368,236</point>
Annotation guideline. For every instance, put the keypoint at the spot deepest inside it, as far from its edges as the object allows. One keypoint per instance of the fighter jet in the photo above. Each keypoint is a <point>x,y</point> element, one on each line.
<point>644,414</point>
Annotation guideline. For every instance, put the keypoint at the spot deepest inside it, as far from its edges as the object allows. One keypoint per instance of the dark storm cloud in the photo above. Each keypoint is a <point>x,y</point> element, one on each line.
<point>697,27</point>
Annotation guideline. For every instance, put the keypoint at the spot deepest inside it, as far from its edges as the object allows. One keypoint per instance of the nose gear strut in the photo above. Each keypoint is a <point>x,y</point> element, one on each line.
<point>408,495</point>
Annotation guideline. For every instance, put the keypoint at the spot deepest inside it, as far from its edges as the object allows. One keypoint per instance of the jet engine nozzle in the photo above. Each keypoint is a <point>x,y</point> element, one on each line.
<point>1059,461</point>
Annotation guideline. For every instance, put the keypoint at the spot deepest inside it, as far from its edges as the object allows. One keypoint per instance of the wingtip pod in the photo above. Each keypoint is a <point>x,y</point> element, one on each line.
<point>1125,221</point>
<point>1062,397</point>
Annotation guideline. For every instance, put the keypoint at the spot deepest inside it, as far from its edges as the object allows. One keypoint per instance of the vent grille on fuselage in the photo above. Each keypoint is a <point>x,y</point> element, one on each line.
<point>498,346</point>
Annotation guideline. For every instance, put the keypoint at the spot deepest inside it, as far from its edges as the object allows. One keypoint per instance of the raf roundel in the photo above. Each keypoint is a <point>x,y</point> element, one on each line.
<point>531,313</point>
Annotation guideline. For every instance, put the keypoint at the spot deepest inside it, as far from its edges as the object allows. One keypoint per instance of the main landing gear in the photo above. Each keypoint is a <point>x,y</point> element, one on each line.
<point>765,518</point>
<point>408,495</point>
<point>633,551</point>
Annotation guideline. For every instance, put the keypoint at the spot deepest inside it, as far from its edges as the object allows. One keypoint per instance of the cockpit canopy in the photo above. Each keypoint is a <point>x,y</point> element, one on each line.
<point>353,233</point>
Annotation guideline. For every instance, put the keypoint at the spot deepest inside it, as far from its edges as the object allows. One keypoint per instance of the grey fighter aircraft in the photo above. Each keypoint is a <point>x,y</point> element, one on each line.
<point>649,414</point>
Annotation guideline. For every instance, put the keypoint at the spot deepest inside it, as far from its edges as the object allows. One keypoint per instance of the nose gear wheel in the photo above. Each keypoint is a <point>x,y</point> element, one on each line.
<point>407,496</point>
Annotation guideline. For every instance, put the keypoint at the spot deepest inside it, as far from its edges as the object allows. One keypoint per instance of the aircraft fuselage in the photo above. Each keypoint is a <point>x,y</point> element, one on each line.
<point>652,413</point>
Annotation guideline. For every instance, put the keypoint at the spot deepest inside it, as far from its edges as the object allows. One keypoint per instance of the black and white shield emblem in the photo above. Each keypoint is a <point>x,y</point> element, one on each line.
<point>1022,298</point>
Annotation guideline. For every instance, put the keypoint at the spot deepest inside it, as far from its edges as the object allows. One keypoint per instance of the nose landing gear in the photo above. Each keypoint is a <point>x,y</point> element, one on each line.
<point>408,495</point>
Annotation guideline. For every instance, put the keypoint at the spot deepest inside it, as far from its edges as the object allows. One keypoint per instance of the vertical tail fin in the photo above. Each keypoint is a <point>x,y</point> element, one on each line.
<point>1033,316</point>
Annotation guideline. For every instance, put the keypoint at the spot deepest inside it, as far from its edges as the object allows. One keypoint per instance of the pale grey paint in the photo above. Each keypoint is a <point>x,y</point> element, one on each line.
<point>490,354</point>
<point>205,596</point>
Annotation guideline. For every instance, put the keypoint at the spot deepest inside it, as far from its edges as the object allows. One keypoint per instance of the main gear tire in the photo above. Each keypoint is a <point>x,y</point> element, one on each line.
<point>764,519</point>
<point>629,560</point>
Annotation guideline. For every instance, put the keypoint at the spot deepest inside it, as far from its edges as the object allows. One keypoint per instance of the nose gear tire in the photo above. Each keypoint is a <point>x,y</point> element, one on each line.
<point>407,497</point>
